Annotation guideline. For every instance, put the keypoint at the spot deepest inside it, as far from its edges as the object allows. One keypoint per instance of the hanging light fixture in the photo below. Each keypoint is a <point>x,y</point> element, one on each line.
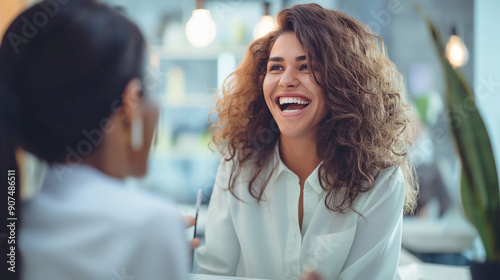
<point>200,28</point>
<point>265,25</point>
<point>456,51</point>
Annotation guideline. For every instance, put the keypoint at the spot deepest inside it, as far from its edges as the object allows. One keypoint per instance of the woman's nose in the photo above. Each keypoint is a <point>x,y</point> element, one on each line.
<point>289,79</point>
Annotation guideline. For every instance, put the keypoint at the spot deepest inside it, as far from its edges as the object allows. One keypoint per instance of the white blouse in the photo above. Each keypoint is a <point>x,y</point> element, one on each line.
<point>264,240</point>
<point>85,225</point>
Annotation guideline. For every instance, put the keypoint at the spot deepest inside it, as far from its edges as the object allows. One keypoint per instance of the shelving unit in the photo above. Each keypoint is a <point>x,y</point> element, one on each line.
<point>187,80</point>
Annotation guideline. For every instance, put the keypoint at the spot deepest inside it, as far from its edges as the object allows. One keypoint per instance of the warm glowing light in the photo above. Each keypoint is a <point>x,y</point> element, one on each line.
<point>200,28</point>
<point>456,52</point>
<point>265,25</point>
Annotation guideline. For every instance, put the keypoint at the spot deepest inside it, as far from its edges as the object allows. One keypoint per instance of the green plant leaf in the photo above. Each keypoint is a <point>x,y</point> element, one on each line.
<point>479,181</point>
<point>476,215</point>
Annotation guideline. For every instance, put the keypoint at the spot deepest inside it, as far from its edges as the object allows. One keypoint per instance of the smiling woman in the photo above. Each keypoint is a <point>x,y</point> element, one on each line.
<point>316,175</point>
<point>294,99</point>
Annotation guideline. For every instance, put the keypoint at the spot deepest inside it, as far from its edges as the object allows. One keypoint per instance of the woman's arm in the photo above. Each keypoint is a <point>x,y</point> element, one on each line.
<point>220,254</point>
<point>377,243</point>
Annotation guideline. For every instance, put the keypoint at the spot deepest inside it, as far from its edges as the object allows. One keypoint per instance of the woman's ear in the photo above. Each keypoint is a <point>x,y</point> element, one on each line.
<point>133,113</point>
<point>140,118</point>
<point>131,98</point>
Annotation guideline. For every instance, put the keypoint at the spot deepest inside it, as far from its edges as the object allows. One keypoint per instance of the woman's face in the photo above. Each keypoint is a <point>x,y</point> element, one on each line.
<point>294,99</point>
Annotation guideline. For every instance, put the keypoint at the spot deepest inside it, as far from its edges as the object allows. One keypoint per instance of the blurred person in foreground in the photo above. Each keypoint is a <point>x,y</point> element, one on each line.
<point>73,94</point>
<point>314,131</point>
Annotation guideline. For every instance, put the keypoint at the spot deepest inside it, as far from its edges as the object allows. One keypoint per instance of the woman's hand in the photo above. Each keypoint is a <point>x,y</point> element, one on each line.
<point>311,276</point>
<point>190,221</point>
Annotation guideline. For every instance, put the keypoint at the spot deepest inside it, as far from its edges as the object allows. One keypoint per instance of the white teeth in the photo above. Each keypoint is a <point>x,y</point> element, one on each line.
<point>290,100</point>
<point>291,111</point>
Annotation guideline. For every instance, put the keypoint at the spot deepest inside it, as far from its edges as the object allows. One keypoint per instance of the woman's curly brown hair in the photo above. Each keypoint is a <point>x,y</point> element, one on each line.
<point>366,126</point>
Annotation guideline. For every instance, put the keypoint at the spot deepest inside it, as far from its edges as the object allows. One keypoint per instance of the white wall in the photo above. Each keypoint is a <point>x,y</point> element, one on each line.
<point>487,68</point>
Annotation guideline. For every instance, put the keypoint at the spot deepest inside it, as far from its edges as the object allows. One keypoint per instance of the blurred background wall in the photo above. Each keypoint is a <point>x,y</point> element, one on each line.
<point>8,11</point>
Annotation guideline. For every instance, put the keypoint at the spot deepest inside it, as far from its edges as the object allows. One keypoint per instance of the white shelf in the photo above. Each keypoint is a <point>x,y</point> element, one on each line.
<point>449,234</point>
<point>192,53</point>
<point>204,100</point>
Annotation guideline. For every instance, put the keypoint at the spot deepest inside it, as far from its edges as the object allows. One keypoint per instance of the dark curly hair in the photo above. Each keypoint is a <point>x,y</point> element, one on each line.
<point>366,125</point>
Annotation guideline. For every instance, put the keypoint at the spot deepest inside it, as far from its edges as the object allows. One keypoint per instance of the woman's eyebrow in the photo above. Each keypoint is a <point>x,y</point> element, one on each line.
<point>275,58</point>
<point>278,58</point>
<point>300,58</point>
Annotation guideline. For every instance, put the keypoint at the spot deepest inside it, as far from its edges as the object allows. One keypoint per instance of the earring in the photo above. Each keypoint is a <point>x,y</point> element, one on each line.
<point>136,134</point>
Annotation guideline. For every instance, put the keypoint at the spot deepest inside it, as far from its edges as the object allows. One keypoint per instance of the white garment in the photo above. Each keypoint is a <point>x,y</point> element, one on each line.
<point>263,240</point>
<point>86,225</point>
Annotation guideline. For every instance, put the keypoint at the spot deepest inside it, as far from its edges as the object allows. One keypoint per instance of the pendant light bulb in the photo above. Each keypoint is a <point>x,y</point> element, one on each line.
<point>456,51</point>
<point>265,25</point>
<point>200,28</point>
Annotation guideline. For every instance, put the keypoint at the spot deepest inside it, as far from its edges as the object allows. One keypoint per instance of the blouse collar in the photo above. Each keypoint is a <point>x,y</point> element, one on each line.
<point>280,167</point>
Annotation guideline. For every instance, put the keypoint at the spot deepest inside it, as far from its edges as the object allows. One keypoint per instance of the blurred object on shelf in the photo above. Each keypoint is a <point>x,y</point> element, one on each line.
<point>172,34</point>
<point>176,86</point>
<point>429,106</point>
<point>436,171</point>
<point>435,160</point>
<point>226,64</point>
<point>238,33</point>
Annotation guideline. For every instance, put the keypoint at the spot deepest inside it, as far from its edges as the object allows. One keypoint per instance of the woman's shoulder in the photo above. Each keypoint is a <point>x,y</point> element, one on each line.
<point>95,213</point>
<point>392,175</point>
<point>135,210</point>
<point>92,197</point>
<point>389,180</point>
<point>388,187</point>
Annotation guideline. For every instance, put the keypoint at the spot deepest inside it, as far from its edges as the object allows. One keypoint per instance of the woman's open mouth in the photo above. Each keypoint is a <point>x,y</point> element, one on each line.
<point>292,104</point>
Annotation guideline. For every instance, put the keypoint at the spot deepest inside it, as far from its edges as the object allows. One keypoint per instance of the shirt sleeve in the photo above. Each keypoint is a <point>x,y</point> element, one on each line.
<point>377,242</point>
<point>220,254</point>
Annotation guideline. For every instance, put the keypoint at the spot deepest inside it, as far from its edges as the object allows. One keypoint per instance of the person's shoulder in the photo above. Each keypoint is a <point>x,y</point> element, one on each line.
<point>389,180</point>
<point>158,218</point>
<point>392,175</point>
<point>138,208</point>
<point>147,227</point>
<point>388,188</point>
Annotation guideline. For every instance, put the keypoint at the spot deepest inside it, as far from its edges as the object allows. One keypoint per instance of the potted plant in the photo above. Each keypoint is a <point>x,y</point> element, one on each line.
<point>479,180</point>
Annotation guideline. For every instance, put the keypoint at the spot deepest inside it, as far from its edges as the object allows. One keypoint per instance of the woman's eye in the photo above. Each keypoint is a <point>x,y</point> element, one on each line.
<point>275,67</point>
<point>304,67</point>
